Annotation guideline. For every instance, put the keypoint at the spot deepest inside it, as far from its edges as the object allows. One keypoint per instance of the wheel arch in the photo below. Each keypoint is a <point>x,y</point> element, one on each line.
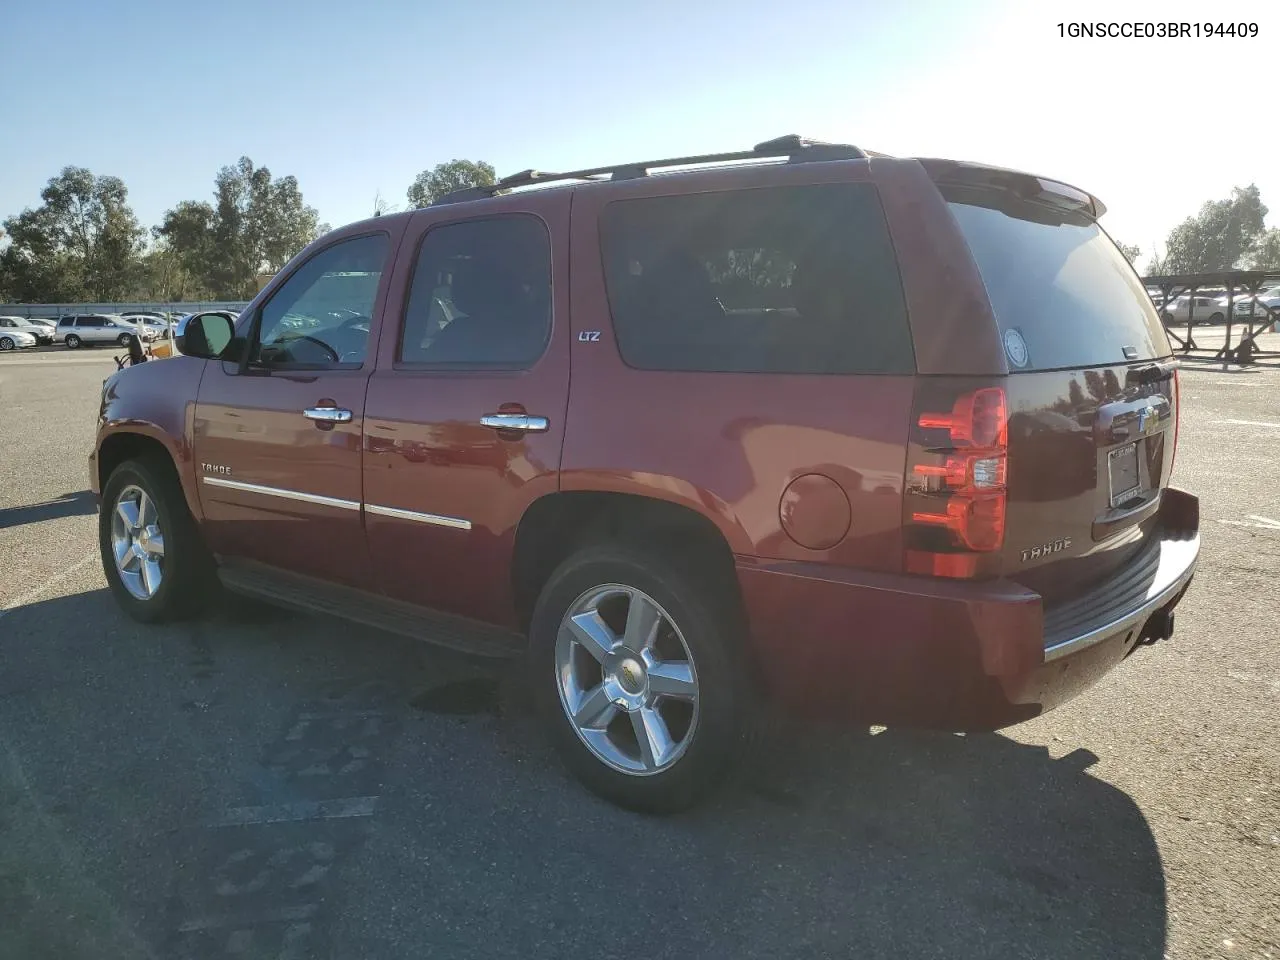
<point>557,524</point>
<point>137,440</point>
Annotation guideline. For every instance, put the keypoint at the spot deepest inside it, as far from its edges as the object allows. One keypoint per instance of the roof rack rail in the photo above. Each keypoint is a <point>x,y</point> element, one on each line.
<point>794,147</point>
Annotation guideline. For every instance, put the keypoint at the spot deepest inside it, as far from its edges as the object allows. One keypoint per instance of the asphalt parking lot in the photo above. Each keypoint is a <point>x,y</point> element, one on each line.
<point>271,785</point>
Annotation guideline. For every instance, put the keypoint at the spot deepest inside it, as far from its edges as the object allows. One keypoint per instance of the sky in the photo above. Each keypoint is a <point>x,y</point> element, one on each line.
<point>355,99</point>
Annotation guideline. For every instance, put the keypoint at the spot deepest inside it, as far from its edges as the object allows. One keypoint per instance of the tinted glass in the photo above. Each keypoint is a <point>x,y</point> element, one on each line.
<point>481,295</point>
<point>1059,281</point>
<point>322,314</point>
<point>778,280</point>
<point>91,322</point>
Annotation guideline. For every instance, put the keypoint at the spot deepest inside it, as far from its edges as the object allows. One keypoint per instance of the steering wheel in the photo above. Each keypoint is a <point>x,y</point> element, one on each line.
<point>332,353</point>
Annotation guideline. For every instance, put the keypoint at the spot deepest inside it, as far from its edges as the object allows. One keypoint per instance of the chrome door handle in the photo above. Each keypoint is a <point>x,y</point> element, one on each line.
<point>328,414</point>
<point>516,421</point>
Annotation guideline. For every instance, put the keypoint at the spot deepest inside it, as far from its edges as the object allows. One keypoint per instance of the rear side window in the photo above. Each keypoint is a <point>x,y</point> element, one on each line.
<point>481,295</point>
<point>1063,294</point>
<point>774,280</point>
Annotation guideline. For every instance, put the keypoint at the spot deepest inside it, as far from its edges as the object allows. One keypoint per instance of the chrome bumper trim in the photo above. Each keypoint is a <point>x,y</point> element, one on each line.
<point>1173,570</point>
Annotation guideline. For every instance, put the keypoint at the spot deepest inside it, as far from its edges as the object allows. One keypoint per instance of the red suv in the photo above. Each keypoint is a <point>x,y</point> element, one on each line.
<point>884,440</point>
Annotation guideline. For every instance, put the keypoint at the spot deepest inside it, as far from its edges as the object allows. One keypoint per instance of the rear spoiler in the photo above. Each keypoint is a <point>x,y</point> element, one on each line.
<point>1025,186</point>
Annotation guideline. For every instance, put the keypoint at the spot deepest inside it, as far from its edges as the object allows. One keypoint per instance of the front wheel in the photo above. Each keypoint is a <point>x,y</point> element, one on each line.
<point>73,342</point>
<point>152,554</point>
<point>639,677</point>
<point>6,343</point>
<point>1217,318</point>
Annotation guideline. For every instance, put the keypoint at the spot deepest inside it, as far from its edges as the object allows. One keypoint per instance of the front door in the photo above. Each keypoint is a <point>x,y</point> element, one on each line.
<point>465,413</point>
<point>278,437</point>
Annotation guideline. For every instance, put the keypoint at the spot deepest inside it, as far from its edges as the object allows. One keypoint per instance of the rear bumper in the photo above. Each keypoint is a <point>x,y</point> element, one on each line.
<point>912,651</point>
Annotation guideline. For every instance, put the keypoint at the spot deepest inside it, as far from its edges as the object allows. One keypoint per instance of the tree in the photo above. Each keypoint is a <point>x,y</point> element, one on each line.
<point>1223,236</point>
<point>185,241</point>
<point>81,243</point>
<point>1266,254</point>
<point>255,225</point>
<point>1131,252</point>
<point>443,178</point>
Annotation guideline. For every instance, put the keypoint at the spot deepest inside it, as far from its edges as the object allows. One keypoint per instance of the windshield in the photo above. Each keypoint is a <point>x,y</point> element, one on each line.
<point>1059,282</point>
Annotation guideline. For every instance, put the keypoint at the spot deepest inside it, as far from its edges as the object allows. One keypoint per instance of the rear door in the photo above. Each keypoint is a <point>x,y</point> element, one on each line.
<point>93,330</point>
<point>466,410</point>
<point>1092,391</point>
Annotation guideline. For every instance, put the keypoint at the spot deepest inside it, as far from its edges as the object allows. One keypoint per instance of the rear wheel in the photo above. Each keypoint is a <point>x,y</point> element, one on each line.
<point>639,678</point>
<point>152,553</point>
<point>73,342</point>
<point>6,343</point>
<point>1217,318</point>
<point>1167,317</point>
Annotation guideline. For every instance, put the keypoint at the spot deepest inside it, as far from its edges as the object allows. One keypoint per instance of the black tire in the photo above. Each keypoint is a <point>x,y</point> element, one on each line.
<point>709,617</point>
<point>1167,317</point>
<point>1217,318</point>
<point>73,342</point>
<point>190,578</point>
<point>6,343</point>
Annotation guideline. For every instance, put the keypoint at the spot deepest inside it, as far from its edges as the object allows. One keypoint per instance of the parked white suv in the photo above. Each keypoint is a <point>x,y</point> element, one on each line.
<point>1206,309</point>
<point>1246,309</point>
<point>90,328</point>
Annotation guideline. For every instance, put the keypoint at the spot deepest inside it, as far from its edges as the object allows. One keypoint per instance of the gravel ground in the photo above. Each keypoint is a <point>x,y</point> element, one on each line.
<point>271,785</point>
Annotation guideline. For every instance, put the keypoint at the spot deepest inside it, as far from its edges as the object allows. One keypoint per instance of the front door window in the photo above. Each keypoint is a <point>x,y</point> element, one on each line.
<point>320,318</point>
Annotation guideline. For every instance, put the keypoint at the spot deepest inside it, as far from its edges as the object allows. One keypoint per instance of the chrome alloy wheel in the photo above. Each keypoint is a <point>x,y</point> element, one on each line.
<point>627,680</point>
<point>137,542</point>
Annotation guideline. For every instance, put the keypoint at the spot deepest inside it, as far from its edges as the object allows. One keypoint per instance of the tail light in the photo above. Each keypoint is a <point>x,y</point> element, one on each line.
<point>957,489</point>
<point>1177,418</point>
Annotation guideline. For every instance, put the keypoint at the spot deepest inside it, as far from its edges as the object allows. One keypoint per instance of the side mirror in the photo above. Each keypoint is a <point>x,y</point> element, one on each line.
<point>204,335</point>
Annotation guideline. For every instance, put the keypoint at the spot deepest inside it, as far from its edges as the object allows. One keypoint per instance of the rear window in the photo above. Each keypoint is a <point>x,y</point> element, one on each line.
<point>775,280</point>
<point>1062,292</point>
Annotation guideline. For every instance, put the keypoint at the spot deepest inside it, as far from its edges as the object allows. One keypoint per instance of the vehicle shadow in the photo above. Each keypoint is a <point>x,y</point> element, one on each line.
<point>77,504</point>
<point>852,843</point>
<point>903,844</point>
<point>829,843</point>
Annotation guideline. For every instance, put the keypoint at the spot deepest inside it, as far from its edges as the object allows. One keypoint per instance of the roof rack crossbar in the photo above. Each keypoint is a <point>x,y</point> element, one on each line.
<point>796,148</point>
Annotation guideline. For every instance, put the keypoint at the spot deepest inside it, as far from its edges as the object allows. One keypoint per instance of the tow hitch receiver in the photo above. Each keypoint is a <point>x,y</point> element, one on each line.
<point>1158,627</point>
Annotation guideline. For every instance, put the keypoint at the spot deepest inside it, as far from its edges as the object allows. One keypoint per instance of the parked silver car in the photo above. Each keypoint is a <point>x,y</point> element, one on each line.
<point>42,334</point>
<point>151,322</point>
<point>87,329</point>
<point>15,339</point>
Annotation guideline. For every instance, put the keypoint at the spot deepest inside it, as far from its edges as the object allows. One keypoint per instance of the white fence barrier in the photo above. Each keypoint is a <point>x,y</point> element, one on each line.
<point>53,310</point>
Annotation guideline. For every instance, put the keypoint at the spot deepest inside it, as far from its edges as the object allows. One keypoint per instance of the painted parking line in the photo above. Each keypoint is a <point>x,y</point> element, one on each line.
<point>283,915</point>
<point>25,598</point>
<point>338,809</point>
<point>28,362</point>
<point>1262,523</point>
<point>1251,423</point>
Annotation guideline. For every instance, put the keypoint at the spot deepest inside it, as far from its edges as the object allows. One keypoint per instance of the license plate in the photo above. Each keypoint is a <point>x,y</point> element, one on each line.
<point>1122,467</point>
